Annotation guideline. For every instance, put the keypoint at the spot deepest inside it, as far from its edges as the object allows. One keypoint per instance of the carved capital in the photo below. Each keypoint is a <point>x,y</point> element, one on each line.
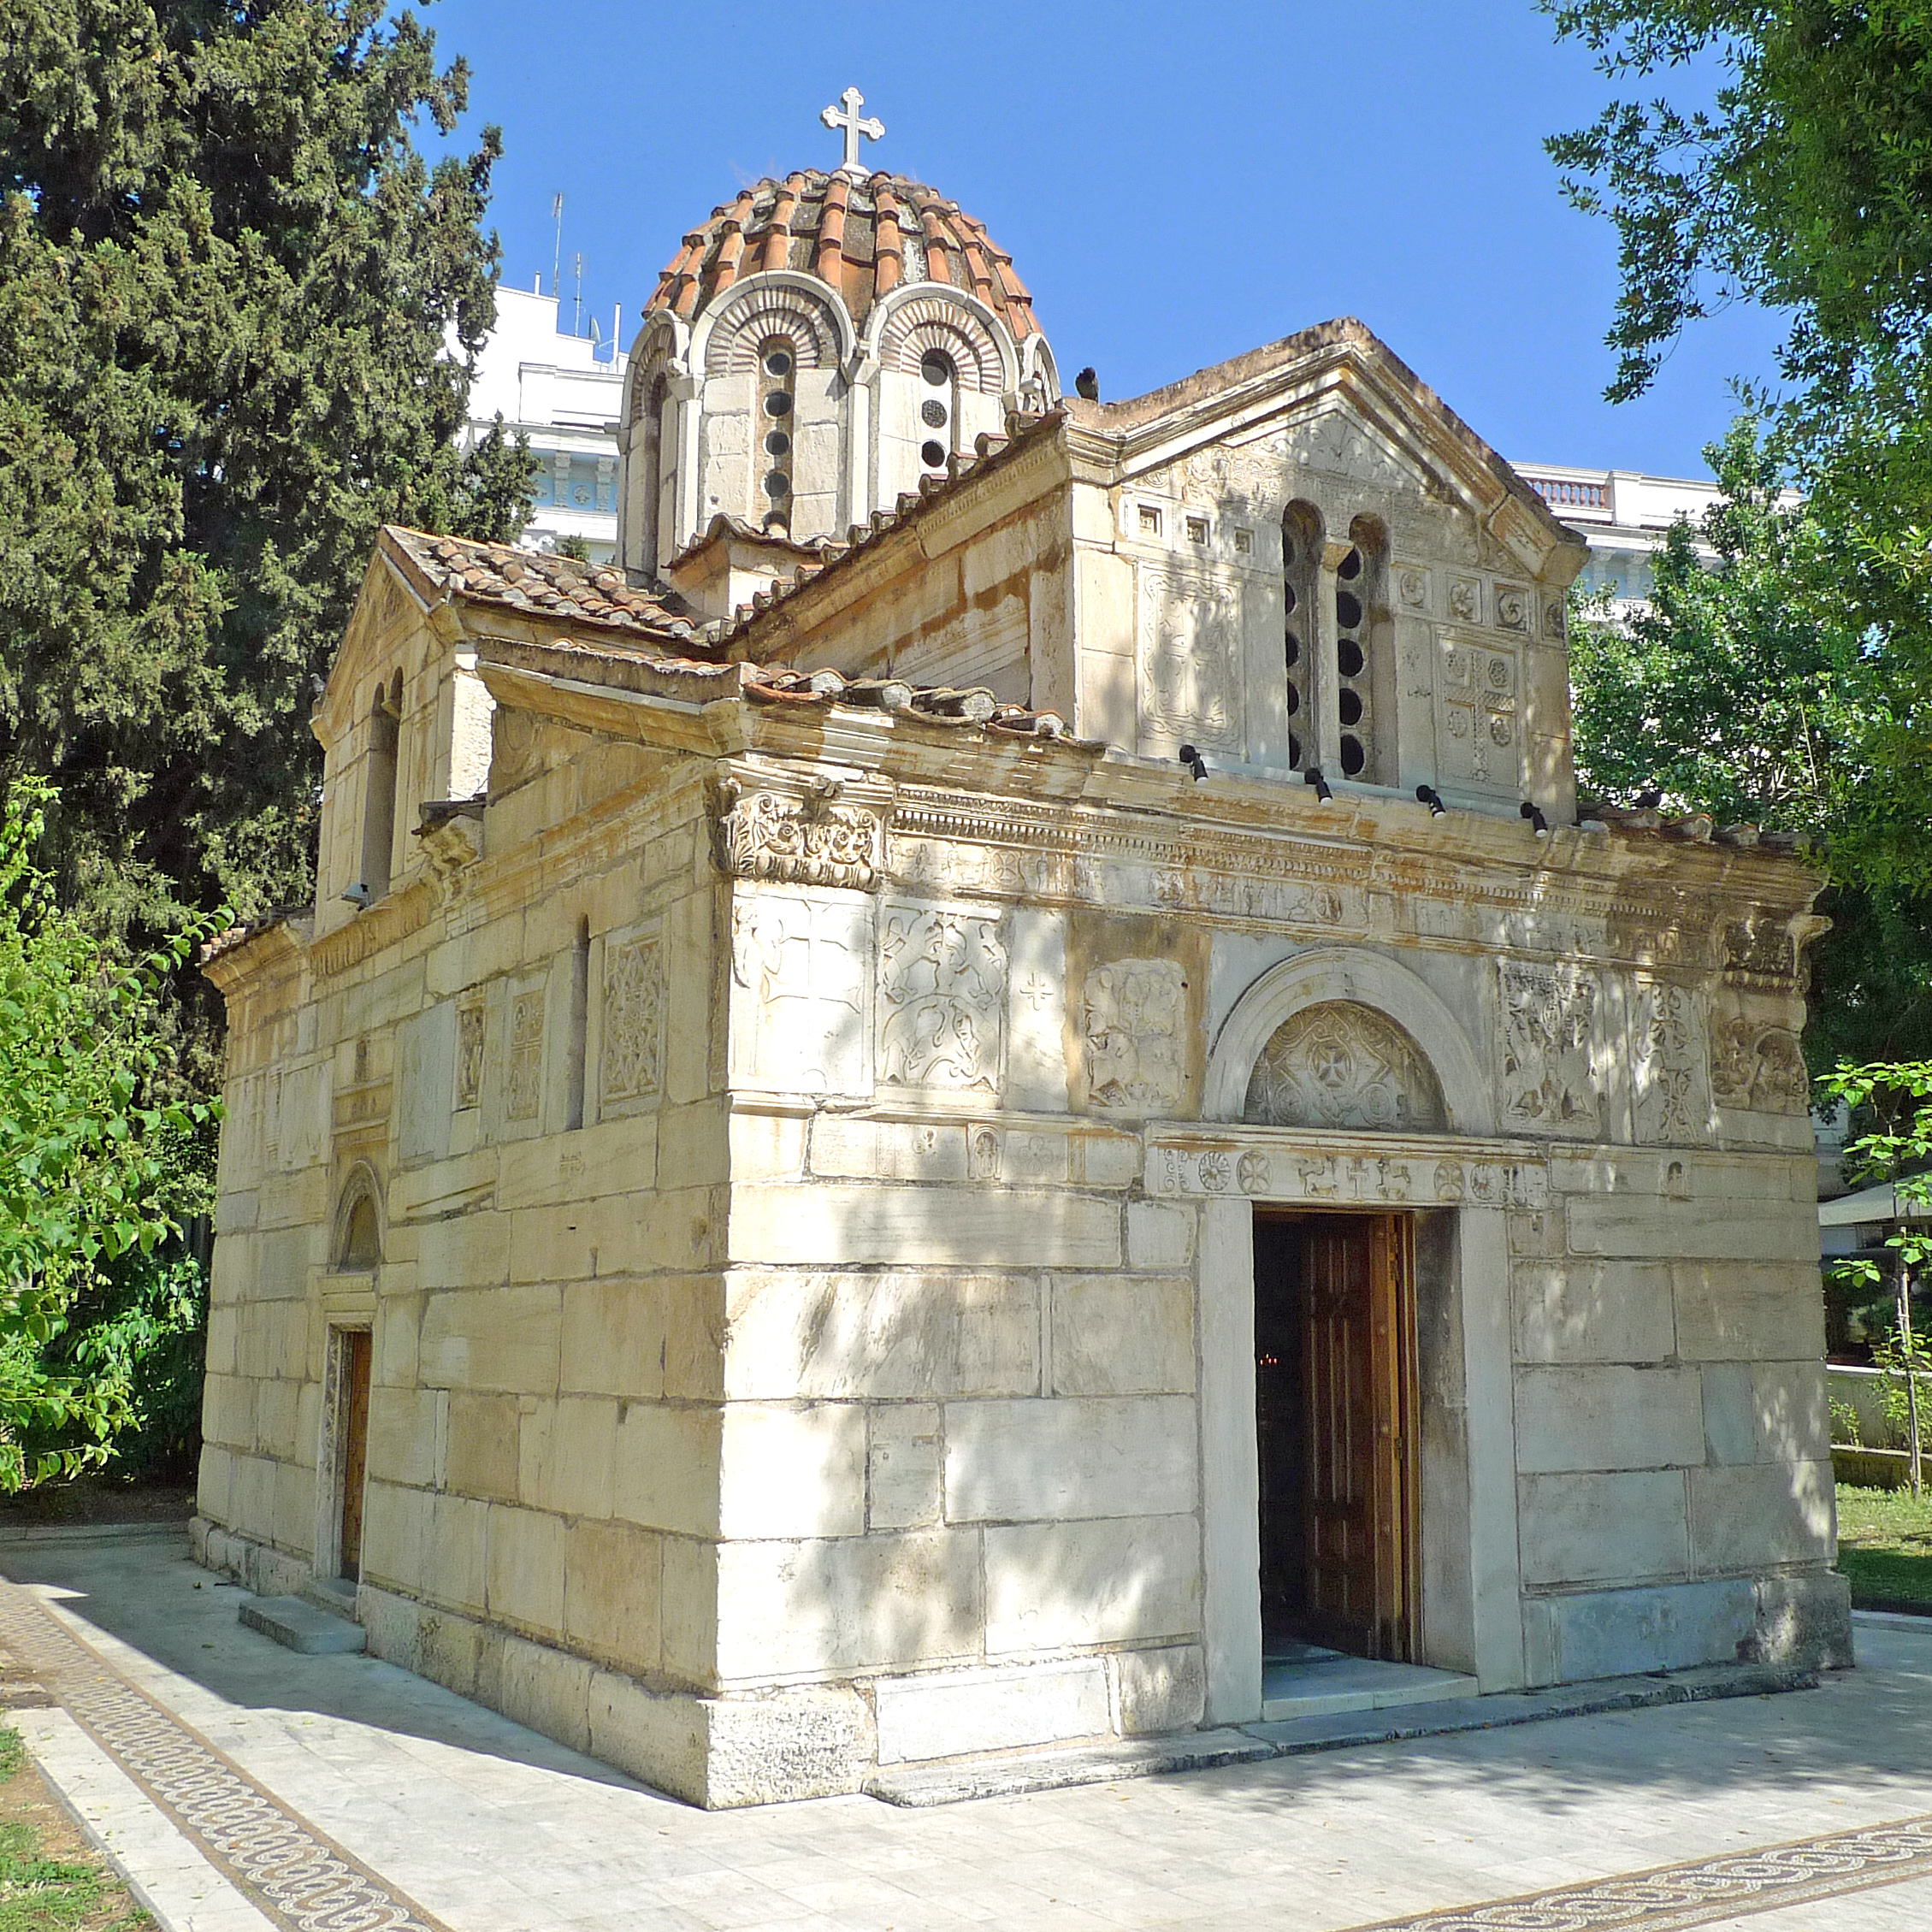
<point>813,840</point>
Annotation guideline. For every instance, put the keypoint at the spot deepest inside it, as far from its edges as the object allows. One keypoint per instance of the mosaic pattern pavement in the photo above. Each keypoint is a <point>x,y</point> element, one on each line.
<point>1732,1887</point>
<point>288,1870</point>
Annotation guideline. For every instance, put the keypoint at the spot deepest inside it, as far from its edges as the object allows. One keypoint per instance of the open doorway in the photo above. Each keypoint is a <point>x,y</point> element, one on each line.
<point>1336,1427</point>
<point>352,1437</point>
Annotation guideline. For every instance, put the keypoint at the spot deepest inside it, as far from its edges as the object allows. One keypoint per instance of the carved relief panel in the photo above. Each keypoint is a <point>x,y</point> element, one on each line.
<point>1133,1035</point>
<point>1548,1060</point>
<point>799,971</point>
<point>1341,1065</point>
<point>632,1033</point>
<point>468,1051</point>
<point>1190,681</point>
<point>523,1093</point>
<point>1758,1066</point>
<point>1477,704</point>
<point>1668,1082</point>
<point>942,998</point>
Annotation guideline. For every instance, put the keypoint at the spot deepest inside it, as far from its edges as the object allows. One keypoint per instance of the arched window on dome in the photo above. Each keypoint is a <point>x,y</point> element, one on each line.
<point>775,428</point>
<point>1362,649</point>
<point>654,469</point>
<point>939,410</point>
<point>1301,591</point>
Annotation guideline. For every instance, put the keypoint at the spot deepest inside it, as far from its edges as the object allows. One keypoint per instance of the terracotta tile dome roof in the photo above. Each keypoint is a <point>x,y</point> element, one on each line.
<point>864,236</point>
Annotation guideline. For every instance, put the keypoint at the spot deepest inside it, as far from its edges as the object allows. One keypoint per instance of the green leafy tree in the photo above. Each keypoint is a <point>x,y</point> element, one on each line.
<point>238,309</point>
<point>92,1166</point>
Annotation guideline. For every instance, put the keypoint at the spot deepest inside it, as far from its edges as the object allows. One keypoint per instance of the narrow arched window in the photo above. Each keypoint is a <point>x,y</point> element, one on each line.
<point>1300,589</point>
<point>778,393</point>
<point>579,1027</point>
<point>379,793</point>
<point>939,411</point>
<point>654,469</point>
<point>1360,654</point>
<point>362,1236</point>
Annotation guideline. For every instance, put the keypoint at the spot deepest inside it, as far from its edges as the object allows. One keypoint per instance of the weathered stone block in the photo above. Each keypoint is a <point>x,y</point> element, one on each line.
<point>567,1453</point>
<point>397,1531</point>
<point>1804,1620</point>
<point>1602,1529</point>
<point>1593,1311</point>
<point>667,1469</point>
<point>457,1572</point>
<point>1119,1580</point>
<point>547,1690</point>
<point>499,1339</point>
<point>1764,1513</point>
<point>1608,1417</point>
<point>613,1579</point>
<point>1734,1311</point>
<point>1156,1691</point>
<point>1615,1632</point>
<point>402,1434</point>
<point>1122,1334</point>
<point>946,1714</point>
<point>853,1603</point>
<point>614,1334</point>
<point>904,1481</point>
<point>526,1568</point>
<point>833,1223</point>
<point>481,1459</point>
<point>793,1471</point>
<point>1121,1456</point>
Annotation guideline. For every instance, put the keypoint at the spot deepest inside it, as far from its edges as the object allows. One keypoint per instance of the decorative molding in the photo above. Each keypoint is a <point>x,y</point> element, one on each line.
<point>1342,1065</point>
<point>1548,1049</point>
<point>781,840</point>
<point>1272,1165</point>
<point>1133,1035</point>
<point>941,999</point>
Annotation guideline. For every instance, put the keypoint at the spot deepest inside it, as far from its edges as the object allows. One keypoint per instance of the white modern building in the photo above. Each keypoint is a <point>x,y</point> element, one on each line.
<point>1623,516</point>
<point>565,393</point>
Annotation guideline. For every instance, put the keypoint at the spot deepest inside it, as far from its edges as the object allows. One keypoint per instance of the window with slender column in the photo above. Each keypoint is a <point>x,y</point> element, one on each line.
<point>379,790</point>
<point>777,392</point>
<point>1361,610</point>
<point>939,411</point>
<point>1301,558</point>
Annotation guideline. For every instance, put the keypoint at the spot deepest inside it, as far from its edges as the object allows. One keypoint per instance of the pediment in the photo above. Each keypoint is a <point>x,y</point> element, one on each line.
<point>385,612</point>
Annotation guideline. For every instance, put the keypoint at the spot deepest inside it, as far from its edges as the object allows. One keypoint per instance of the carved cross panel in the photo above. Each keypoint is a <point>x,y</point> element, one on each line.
<point>1133,1035</point>
<point>1341,1065</point>
<point>632,1019</point>
<point>1668,1078</point>
<point>1477,728</point>
<point>942,998</point>
<point>802,965</point>
<point>525,1097</point>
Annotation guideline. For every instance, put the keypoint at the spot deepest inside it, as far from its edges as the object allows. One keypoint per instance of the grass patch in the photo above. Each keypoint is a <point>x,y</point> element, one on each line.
<point>1885,1546</point>
<point>51,1880</point>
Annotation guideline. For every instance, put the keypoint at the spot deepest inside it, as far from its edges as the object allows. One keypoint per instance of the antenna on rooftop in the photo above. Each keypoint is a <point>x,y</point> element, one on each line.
<point>577,321</point>
<point>556,260</point>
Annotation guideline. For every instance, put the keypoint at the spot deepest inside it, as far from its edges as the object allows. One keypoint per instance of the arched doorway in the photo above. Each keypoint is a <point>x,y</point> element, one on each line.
<point>358,1251</point>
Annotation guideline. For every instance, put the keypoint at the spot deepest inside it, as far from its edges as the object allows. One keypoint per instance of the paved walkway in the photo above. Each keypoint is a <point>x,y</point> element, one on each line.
<point>345,1793</point>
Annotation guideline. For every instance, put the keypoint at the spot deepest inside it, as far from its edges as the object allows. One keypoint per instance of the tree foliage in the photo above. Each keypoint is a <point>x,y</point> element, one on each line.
<point>237,310</point>
<point>92,1167</point>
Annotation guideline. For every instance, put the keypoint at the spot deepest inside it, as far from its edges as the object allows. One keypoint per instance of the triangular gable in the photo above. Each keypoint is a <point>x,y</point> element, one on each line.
<point>388,607</point>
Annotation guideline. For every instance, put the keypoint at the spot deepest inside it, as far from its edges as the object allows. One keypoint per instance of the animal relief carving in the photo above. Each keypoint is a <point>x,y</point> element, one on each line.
<point>632,1019</point>
<point>1548,1067</point>
<point>1340,1065</point>
<point>1133,1029</point>
<point>1757,1068</point>
<point>942,992</point>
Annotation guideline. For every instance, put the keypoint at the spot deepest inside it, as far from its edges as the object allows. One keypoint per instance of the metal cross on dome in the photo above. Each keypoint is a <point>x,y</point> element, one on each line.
<point>853,125</point>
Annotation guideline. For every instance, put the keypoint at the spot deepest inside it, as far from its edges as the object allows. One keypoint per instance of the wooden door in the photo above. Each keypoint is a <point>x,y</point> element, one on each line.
<point>1335,1410</point>
<point>354,1460</point>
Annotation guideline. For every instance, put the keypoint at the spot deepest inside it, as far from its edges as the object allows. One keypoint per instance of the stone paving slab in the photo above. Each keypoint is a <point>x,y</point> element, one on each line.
<point>491,1829</point>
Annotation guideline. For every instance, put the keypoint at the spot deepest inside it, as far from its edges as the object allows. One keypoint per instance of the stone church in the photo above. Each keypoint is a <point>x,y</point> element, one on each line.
<point>998,1088</point>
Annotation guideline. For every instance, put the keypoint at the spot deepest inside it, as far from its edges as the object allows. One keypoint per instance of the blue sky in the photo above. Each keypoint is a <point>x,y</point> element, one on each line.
<point>1176,183</point>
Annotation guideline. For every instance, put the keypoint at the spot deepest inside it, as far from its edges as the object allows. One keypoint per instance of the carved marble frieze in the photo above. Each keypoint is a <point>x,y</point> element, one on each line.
<point>1346,1178</point>
<point>1133,1035</point>
<point>812,841</point>
<point>1761,950</point>
<point>942,998</point>
<point>801,969</point>
<point>1758,1067</point>
<point>1191,667</point>
<point>1670,1086</point>
<point>1341,1065</point>
<point>632,1019</point>
<point>1547,1064</point>
<point>523,1094</point>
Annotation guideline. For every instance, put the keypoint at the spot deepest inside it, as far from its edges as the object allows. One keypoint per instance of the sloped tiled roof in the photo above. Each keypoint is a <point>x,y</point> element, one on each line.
<point>542,584</point>
<point>864,237</point>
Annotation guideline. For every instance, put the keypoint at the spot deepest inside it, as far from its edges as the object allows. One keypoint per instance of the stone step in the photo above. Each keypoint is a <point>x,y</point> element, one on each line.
<point>334,1594</point>
<point>1332,1687</point>
<point>1048,1768</point>
<point>299,1626</point>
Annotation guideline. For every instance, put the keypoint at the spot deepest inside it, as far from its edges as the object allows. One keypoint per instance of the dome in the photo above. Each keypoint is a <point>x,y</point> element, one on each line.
<point>864,237</point>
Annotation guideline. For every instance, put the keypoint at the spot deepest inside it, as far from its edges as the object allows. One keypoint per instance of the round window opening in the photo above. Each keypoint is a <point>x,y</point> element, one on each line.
<point>1347,610</point>
<point>1352,757</point>
<point>1351,707</point>
<point>1349,567</point>
<point>1348,658</point>
<point>777,403</point>
<point>937,369</point>
<point>932,414</point>
<point>776,484</point>
<point>933,456</point>
<point>778,443</point>
<point>778,363</point>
